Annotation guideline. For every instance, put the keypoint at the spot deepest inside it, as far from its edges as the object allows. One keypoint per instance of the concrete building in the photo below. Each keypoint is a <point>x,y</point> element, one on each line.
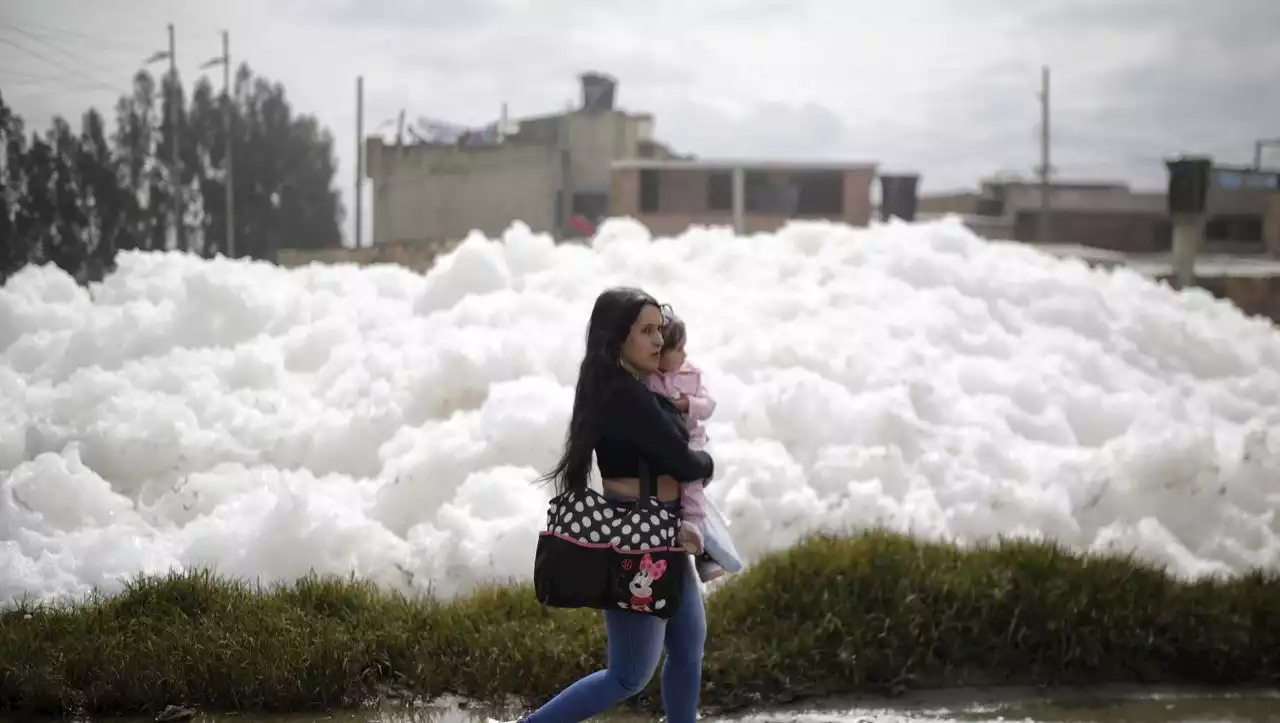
<point>1114,217</point>
<point>546,171</point>
<point>669,195</point>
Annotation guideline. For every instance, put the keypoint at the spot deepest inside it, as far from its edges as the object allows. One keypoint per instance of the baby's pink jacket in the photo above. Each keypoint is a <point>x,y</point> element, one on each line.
<point>688,380</point>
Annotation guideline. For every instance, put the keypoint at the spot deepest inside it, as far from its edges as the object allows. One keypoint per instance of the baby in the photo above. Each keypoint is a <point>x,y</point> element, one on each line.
<point>681,382</point>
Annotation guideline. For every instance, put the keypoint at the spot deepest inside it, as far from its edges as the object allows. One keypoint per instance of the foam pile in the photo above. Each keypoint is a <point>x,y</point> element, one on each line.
<point>270,421</point>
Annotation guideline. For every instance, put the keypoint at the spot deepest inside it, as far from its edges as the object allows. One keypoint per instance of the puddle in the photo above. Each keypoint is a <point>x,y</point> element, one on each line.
<point>1098,705</point>
<point>1117,704</point>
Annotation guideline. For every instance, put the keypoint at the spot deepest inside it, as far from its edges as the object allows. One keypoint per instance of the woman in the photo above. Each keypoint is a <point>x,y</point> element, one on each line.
<point>617,417</point>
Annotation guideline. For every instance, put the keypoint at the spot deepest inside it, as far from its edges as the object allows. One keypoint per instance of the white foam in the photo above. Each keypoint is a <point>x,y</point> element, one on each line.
<point>270,421</point>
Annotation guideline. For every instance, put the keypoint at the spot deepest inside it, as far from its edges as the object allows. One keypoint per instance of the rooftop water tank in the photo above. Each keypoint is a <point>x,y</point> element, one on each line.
<point>1189,181</point>
<point>598,90</point>
<point>898,196</point>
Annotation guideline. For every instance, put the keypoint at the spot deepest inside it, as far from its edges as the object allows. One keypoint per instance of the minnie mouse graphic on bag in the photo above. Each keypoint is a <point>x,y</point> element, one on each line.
<point>642,586</point>
<point>610,555</point>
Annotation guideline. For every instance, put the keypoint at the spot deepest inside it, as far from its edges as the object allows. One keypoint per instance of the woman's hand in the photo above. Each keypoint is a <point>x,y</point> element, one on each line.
<point>682,403</point>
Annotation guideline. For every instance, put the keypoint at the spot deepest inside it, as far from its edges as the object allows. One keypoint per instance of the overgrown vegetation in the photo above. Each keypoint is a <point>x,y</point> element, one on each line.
<point>876,613</point>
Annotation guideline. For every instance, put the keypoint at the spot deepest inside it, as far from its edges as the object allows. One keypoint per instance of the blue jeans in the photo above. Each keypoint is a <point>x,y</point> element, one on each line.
<point>635,641</point>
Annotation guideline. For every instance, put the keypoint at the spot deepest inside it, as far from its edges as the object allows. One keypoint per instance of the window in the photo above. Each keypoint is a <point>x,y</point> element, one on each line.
<point>592,204</point>
<point>760,196</point>
<point>821,193</point>
<point>1234,227</point>
<point>719,191</point>
<point>649,191</point>
<point>1230,179</point>
<point>1262,180</point>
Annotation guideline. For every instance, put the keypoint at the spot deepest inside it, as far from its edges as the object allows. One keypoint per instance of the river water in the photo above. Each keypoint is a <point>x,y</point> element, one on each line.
<point>1113,705</point>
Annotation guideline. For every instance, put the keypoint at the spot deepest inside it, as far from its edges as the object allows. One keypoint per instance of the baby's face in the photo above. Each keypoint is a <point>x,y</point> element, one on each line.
<point>672,359</point>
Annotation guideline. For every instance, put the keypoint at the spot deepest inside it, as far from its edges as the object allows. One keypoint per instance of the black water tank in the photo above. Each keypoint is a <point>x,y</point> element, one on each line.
<point>598,91</point>
<point>1188,184</point>
<point>898,196</point>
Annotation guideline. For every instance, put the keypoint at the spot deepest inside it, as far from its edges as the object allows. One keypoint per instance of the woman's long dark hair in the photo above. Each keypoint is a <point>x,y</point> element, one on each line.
<point>612,316</point>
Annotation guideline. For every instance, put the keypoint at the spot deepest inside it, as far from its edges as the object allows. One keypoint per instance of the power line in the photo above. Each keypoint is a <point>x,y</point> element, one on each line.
<point>74,71</point>
<point>10,80</point>
<point>99,41</point>
<point>80,63</point>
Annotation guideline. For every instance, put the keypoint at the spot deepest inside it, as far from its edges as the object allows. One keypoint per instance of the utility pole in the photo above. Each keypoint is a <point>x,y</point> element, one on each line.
<point>228,188</point>
<point>359,233</point>
<point>175,171</point>
<point>1042,231</point>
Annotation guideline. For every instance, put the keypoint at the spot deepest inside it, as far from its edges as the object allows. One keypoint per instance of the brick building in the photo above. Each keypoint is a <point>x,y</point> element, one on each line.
<point>669,195</point>
<point>1241,219</point>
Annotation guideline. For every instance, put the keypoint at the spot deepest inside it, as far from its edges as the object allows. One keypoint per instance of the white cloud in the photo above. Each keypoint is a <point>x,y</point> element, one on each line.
<point>945,88</point>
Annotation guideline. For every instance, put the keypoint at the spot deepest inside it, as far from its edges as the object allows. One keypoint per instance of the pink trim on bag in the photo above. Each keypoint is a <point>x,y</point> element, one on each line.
<point>602,545</point>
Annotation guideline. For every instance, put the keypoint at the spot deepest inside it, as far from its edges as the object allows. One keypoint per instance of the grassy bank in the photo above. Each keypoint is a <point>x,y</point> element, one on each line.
<point>876,613</point>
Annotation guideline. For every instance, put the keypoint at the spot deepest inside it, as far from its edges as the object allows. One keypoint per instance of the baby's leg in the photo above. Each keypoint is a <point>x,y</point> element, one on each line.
<point>708,569</point>
<point>693,502</point>
<point>717,541</point>
<point>692,514</point>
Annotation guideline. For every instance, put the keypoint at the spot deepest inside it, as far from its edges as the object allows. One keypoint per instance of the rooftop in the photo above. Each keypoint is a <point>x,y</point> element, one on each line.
<point>1099,200</point>
<point>1161,263</point>
<point>753,164</point>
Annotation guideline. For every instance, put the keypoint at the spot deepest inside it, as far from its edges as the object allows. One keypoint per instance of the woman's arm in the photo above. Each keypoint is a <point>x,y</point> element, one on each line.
<point>635,415</point>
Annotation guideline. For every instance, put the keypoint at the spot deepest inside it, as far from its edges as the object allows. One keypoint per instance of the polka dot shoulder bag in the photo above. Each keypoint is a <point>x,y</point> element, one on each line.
<point>611,555</point>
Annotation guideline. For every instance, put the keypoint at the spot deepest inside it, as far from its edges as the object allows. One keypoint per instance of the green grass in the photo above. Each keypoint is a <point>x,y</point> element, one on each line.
<point>874,613</point>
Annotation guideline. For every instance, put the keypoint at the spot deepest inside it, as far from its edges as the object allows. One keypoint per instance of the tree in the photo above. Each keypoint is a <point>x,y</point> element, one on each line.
<point>36,212</point>
<point>205,154</point>
<point>284,173</point>
<point>176,182</point>
<point>76,199</point>
<point>13,249</point>
<point>104,195</point>
<point>134,150</point>
<point>309,204</point>
<point>65,242</point>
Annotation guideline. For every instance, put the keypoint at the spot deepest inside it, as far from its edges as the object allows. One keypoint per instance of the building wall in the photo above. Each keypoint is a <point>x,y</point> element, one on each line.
<point>683,201</point>
<point>1255,295</point>
<point>595,141</point>
<point>1130,232</point>
<point>1112,217</point>
<point>995,228</point>
<point>414,255</point>
<point>1271,225</point>
<point>624,192</point>
<point>942,203</point>
<point>857,196</point>
<point>433,193</point>
<point>426,193</point>
<point>674,224</point>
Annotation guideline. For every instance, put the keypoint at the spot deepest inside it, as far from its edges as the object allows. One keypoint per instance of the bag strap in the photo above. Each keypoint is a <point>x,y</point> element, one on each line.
<point>648,485</point>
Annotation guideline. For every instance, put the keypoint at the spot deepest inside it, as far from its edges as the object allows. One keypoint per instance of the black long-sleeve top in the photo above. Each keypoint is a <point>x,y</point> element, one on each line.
<point>636,422</point>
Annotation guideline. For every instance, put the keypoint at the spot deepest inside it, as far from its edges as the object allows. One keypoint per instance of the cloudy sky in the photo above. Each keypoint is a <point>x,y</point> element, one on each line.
<point>947,88</point>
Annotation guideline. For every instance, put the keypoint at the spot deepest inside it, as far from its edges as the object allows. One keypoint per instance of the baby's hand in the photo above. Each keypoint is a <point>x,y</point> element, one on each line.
<point>690,538</point>
<point>682,403</point>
